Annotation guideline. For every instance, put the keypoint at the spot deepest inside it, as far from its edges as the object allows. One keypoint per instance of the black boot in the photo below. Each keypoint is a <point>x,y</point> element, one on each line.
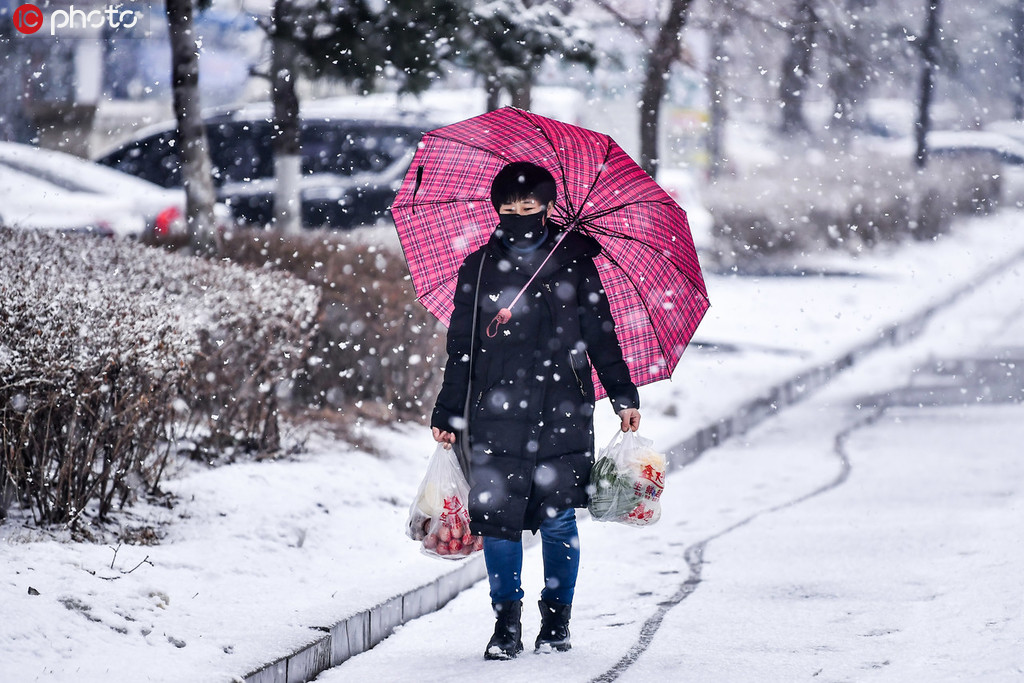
<point>554,627</point>
<point>507,640</point>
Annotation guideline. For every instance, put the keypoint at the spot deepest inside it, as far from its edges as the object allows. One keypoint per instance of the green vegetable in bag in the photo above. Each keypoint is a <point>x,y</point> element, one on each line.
<point>611,496</point>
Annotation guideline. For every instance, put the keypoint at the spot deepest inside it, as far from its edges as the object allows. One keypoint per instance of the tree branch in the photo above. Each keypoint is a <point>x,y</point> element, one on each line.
<point>633,26</point>
<point>761,18</point>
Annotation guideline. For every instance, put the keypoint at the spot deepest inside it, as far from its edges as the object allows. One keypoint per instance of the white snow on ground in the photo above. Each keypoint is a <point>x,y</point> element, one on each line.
<point>259,553</point>
<point>907,569</point>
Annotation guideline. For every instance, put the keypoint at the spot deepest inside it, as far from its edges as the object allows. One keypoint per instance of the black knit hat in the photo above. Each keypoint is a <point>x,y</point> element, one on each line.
<point>522,180</point>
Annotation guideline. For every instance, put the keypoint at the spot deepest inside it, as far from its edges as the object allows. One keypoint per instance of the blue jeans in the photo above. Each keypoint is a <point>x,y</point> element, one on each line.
<point>560,548</point>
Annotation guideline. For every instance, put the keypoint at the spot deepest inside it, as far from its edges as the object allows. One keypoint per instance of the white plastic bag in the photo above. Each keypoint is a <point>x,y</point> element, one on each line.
<point>627,481</point>
<point>438,517</point>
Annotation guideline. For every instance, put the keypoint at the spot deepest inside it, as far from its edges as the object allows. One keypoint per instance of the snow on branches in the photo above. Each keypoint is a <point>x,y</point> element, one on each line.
<point>109,349</point>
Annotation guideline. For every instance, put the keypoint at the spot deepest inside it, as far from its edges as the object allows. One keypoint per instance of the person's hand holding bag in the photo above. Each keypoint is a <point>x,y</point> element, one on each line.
<point>446,439</point>
<point>630,419</point>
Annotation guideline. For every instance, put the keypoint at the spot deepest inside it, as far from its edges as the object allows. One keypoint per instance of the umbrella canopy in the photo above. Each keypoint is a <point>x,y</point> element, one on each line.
<point>648,264</point>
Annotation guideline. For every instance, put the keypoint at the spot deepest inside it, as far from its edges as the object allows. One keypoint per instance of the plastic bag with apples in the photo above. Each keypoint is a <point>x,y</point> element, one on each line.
<point>627,481</point>
<point>438,517</point>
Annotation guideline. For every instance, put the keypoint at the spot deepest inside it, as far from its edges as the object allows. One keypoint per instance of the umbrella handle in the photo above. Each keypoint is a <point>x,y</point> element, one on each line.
<point>502,317</point>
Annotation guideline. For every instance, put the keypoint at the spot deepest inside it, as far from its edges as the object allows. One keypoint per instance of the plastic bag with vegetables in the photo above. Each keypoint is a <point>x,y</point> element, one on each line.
<point>627,481</point>
<point>438,517</point>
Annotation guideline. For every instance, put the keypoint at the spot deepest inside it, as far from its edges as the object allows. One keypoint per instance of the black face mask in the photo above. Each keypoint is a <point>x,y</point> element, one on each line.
<point>522,232</point>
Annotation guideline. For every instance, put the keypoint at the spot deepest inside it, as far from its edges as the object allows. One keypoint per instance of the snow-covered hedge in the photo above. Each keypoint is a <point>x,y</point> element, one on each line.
<point>110,350</point>
<point>376,351</point>
<point>808,204</point>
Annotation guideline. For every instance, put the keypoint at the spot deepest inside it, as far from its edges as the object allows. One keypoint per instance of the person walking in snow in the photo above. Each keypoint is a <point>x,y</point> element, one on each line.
<point>517,400</point>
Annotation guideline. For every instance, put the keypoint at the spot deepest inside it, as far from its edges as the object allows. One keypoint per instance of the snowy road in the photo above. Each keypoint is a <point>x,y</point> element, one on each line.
<point>869,533</point>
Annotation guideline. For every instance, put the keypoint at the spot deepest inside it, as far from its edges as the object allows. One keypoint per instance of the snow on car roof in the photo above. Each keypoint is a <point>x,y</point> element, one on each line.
<point>70,172</point>
<point>1013,129</point>
<point>975,139</point>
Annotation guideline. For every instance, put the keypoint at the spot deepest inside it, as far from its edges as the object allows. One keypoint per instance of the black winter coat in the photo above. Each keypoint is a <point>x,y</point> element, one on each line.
<point>530,437</point>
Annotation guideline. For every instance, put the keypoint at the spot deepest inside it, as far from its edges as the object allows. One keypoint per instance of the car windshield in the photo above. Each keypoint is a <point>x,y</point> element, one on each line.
<point>335,149</point>
<point>241,150</point>
<point>46,175</point>
<point>24,186</point>
<point>69,172</point>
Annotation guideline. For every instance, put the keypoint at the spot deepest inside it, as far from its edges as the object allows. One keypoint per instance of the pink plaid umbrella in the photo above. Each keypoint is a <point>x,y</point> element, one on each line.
<point>648,264</point>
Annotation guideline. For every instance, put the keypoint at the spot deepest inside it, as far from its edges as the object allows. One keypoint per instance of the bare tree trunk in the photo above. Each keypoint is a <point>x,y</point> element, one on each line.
<point>1018,61</point>
<point>849,76</point>
<point>796,69</point>
<point>659,65</point>
<point>716,96</point>
<point>286,140</point>
<point>14,63</point>
<point>195,157</point>
<point>930,51</point>
<point>522,93</point>
<point>493,89</point>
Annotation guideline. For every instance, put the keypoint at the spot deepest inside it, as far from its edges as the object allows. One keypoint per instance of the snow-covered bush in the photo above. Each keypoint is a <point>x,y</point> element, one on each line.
<point>110,350</point>
<point>376,352</point>
<point>808,204</point>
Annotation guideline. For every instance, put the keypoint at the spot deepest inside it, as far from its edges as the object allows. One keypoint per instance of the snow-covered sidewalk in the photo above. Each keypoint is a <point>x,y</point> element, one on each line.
<point>904,561</point>
<point>259,555</point>
<point>858,536</point>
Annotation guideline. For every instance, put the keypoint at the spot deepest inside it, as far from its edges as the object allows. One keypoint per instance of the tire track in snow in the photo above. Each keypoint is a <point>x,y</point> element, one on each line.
<point>694,555</point>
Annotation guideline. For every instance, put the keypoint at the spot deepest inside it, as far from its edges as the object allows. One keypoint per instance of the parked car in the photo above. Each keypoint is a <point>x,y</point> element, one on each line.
<point>352,168</point>
<point>51,190</point>
<point>961,143</point>
<point>1010,128</point>
<point>986,149</point>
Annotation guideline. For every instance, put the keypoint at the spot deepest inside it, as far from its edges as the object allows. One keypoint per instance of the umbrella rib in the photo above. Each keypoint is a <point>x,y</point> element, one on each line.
<point>680,267</point>
<point>551,144</point>
<point>468,144</point>
<point>438,202</point>
<point>600,169</point>
<point>610,210</point>
<point>647,308</point>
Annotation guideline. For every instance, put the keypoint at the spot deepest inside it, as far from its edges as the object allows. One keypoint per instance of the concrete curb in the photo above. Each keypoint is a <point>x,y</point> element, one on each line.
<point>364,630</point>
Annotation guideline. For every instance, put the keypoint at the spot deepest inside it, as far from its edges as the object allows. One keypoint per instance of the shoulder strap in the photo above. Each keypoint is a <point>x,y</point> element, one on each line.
<point>505,314</point>
<point>462,451</point>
